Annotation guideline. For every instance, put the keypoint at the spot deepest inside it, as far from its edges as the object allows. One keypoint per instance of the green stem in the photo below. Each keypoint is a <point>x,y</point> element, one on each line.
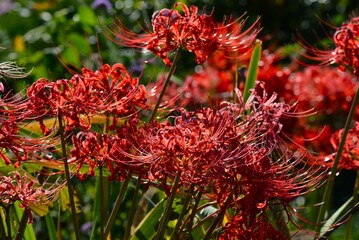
<point>166,215</point>
<point>252,70</point>
<point>102,210</point>
<point>202,221</point>
<point>194,210</point>
<point>22,227</point>
<point>131,214</point>
<point>68,179</point>
<point>116,207</point>
<point>235,82</point>
<point>349,230</point>
<point>175,234</point>
<point>166,83</point>
<point>329,186</point>
<point>59,236</point>
<point>50,227</point>
<point>7,219</point>
<point>338,223</point>
<point>2,228</point>
<point>219,218</point>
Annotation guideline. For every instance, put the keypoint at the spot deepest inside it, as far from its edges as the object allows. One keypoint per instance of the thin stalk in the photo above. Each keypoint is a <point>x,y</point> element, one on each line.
<point>187,200</point>
<point>165,85</point>
<point>102,210</point>
<point>22,227</point>
<point>116,207</point>
<point>235,82</point>
<point>101,199</point>
<point>329,186</point>
<point>131,214</point>
<point>338,223</point>
<point>202,221</point>
<point>166,215</point>
<point>219,218</point>
<point>194,210</point>
<point>349,229</point>
<point>7,219</point>
<point>59,236</point>
<point>252,70</point>
<point>50,225</point>
<point>68,179</point>
<point>2,228</point>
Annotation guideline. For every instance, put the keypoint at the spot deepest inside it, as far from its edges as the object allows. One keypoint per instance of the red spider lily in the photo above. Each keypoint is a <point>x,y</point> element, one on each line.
<point>108,90</point>
<point>98,151</point>
<point>26,190</point>
<point>350,156</point>
<point>240,227</point>
<point>197,33</point>
<point>224,149</point>
<point>312,89</point>
<point>10,140</point>
<point>174,97</point>
<point>346,52</point>
<point>12,143</point>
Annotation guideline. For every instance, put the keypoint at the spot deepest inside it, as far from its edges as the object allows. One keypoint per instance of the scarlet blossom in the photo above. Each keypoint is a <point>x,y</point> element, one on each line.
<point>197,33</point>
<point>235,149</point>
<point>346,52</point>
<point>30,194</point>
<point>15,148</point>
<point>93,150</point>
<point>260,228</point>
<point>350,156</point>
<point>109,90</point>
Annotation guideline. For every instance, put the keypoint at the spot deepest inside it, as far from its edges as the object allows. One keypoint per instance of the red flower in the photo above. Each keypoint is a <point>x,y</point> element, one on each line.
<point>109,90</point>
<point>259,228</point>
<point>350,156</point>
<point>11,142</point>
<point>219,150</point>
<point>346,53</point>
<point>98,151</point>
<point>26,190</point>
<point>198,33</point>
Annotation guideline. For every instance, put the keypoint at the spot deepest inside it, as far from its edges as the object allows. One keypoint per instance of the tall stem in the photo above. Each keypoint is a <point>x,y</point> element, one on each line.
<point>68,179</point>
<point>7,219</point>
<point>329,186</point>
<point>167,212</point>
<point>194,210</point>
<point>165,85</point>
<point>219,217</point>
<point>22,227</point>
<point>2,228</point>
<point>102,210</point>
<point>349,230</point>
<point>174,234</point>
<point>116,207</point>
<point>132,212</point>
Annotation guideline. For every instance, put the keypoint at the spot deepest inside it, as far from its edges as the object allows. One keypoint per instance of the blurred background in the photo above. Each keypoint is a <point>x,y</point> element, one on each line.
<point>36,33</point>
<point>50,37</point>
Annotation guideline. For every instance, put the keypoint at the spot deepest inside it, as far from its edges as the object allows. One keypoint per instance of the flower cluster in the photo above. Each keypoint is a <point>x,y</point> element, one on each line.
<point>27,191</point>
<point>233,151</point>
<point>109,90</point>
<point>197,33</point>
<point>346,52</point>
<point>350,156</point>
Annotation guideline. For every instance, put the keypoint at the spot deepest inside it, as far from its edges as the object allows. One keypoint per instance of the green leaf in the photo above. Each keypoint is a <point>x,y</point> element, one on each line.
<point>87,16</point>
<point>147,228</point>
<point>65,200</point>
<point>39,209</point>
<point>252,70</point>
<point>327,225</point>
<point>51,229</point>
